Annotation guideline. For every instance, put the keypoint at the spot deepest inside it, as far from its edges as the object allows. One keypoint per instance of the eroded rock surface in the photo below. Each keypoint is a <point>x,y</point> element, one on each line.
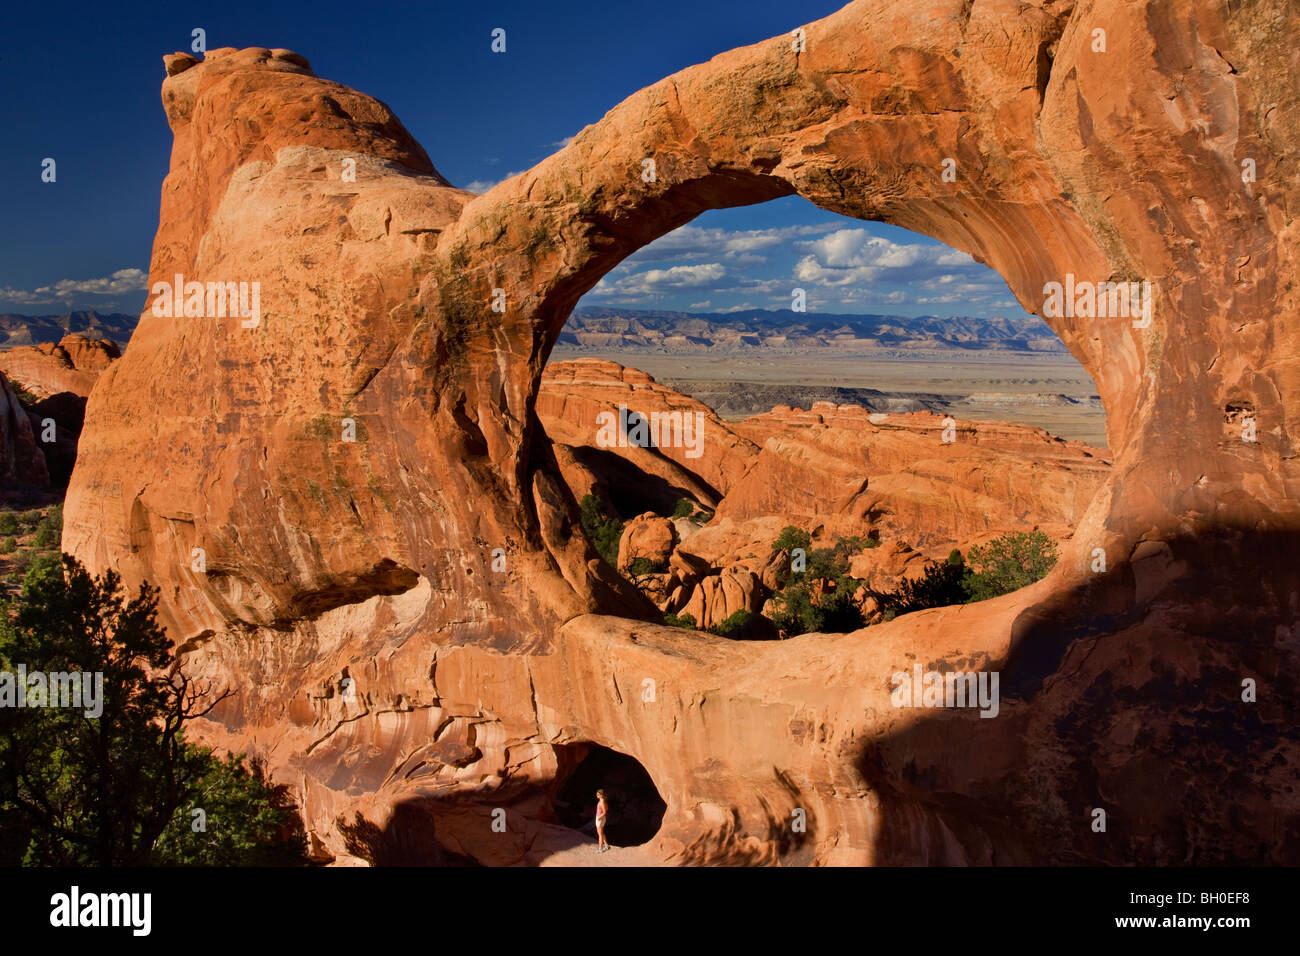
<point>1121,689</point>
<point>21,463</point>
<point>69,365</point>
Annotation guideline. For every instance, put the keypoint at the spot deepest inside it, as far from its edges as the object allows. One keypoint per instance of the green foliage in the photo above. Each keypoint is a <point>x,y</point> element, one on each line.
<point>680,620</point>
<point>28,521</point>
<point>955,557</point>
<point>795,612</point>
<point>939,586</point>
<point>22,393</point>
<point>685,508</point>
<point>798,608</point>
<point>836,611</point>
<point>246,821</point>
<point>743,626</point>
<point>8,523</point>
<point>49,531</point>
<point>791,538</point>
<point>79,788</point>
<point>9,545</point>
<point>602,531</point>
<point>839,608</point>
<point>1008,563</point>
<point>43,565</point>
<point>640,566</point>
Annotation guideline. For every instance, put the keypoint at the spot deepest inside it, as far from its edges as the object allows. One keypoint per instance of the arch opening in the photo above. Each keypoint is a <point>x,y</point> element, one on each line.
<point>636,809</point>
<point>887,509</point>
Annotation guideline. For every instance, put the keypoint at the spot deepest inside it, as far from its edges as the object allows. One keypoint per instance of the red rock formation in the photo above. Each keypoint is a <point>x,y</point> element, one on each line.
<point>21,461</point>
<point>71,365</point>
<point>1121,689</point>
<point>850,472</point>
<point>575,393</point>
<point>647,537</point>
<point>61,376</point>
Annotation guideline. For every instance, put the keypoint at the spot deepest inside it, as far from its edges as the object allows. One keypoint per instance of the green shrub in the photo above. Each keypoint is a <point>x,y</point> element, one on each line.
<point>22,393</point>
<point>680,620</point>
<point>940,586</point>
<point>47,534</point>
<point>28,521</point>
<point>742,626</point>
<point>8,523</point>
<point>791,538</point>
<point>955,557</point>
<point>640,566</point>
<point>685,508</point>
<point>1008,563</point>
<point>9,545</point>
<point>42,564</point>
<point>602,531</point>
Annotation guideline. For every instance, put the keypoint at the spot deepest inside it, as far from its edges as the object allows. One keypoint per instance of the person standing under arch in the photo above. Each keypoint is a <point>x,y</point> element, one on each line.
<point>602,812</point>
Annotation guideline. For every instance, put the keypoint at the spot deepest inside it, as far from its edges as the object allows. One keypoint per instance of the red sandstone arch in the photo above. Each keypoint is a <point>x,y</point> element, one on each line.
<point>1122,165</point>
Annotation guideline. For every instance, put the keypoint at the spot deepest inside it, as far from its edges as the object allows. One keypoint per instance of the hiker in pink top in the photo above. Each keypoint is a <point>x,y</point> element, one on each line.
<point>602,811</point>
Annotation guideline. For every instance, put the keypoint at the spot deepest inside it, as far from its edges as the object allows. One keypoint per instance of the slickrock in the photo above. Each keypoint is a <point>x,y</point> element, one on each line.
<point>1171,157</point>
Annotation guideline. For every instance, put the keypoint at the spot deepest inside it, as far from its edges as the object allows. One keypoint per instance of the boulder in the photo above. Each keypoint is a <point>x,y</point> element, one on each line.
<point>647,537</point>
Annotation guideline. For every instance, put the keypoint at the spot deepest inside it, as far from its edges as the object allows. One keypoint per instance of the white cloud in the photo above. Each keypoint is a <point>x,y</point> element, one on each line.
<point>659,280</point>
<point>483,185</point>
<point>120,282</point>
<point>742,246</point>
<point>849,257</point>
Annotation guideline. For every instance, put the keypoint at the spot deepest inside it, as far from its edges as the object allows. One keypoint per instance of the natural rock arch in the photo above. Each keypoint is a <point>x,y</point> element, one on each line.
<point>375,555</point>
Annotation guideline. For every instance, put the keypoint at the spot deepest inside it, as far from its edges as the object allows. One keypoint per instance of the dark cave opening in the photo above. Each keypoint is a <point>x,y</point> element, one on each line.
<point>636,810</point>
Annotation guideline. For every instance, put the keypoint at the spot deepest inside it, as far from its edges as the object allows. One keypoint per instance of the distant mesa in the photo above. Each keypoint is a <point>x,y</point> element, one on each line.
<point>689,332</point>
<point>35,329</point>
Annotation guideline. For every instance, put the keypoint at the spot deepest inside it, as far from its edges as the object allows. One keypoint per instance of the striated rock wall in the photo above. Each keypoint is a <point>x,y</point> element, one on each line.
<point>1121,689</point>
<point>70,365</point>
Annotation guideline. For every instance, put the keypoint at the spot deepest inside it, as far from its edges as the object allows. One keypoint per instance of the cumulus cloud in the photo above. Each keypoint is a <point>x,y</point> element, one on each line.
<point>120,282</point>
<point>743,245</point>
<point>654,281</point>
<point>843,267</point>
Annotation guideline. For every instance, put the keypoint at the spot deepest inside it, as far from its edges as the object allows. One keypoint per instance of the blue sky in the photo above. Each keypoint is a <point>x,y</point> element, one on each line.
<point>79,83</point>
